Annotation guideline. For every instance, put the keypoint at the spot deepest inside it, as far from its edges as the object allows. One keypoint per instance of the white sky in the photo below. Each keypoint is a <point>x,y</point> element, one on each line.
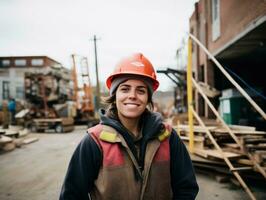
<point>59,28</point>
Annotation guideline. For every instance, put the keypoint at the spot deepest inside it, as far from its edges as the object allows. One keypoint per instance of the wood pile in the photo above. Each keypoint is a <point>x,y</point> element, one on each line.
<point>208,157</point>
<point>10,139</point>
<point>53,82</point>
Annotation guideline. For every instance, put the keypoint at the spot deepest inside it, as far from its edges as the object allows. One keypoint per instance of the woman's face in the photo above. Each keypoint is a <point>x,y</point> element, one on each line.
<point>131,99</point>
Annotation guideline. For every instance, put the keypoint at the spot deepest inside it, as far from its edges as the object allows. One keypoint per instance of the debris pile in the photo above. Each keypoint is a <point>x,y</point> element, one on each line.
<point>14,137</point>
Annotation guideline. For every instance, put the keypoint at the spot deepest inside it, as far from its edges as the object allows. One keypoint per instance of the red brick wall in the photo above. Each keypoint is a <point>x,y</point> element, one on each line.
<point>50,62</point>
<point>235,16</point>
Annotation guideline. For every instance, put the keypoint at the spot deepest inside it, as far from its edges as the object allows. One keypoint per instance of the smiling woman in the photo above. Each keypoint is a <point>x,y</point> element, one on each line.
<point>131,154</point>
<point>131,101</point>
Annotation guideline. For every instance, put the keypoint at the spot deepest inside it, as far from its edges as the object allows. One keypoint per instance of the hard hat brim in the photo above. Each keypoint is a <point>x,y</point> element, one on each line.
<point>112,76</point>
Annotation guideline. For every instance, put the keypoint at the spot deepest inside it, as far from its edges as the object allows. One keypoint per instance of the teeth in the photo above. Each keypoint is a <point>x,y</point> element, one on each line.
<point>131,105</point>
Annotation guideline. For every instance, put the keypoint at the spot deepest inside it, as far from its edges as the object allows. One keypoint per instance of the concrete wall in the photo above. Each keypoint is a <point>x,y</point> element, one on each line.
<point>15,77</point>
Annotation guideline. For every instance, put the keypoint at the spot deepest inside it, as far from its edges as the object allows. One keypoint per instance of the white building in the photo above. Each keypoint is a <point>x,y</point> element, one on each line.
<point>13,69</point>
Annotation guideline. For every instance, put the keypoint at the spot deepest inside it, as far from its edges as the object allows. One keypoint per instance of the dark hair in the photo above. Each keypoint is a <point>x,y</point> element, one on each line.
<point>111,109</point>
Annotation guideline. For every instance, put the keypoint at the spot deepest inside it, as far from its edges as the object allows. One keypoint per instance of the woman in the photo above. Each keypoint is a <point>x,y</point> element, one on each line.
<point>131,154</point>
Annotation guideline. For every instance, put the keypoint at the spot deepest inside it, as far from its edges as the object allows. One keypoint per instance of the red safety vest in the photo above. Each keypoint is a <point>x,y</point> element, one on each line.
<point>116,179</point>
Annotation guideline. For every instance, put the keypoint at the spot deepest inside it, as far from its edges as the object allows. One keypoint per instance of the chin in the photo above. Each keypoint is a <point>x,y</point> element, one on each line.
<point>132,115</point>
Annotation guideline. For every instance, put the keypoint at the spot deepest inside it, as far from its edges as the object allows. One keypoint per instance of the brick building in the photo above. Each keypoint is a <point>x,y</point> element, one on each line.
<point>235,33</point>
<point>13,70</point>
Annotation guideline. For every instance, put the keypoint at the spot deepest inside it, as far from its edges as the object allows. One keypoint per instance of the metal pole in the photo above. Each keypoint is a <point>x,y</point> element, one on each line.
<point>75,82</point>
<point>97,75</point>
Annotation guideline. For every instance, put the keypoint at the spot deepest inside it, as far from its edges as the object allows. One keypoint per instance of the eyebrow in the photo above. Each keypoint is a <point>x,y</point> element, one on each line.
<point>139,86</point>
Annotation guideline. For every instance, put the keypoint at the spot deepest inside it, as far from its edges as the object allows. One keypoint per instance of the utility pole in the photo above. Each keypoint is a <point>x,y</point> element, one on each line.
<point>97,100</point>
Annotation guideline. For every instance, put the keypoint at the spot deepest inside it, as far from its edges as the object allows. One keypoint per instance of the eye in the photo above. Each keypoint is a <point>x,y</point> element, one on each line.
<point>141,91</point>
<point>124,89</point>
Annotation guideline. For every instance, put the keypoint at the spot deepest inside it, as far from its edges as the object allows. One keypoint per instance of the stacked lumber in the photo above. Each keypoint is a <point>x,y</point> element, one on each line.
<point>54,81</point>
<point>12,138</point>
<point>207,156</point>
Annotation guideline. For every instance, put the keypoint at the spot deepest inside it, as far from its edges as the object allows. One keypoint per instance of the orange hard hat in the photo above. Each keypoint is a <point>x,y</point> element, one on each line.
<point>136,64</point>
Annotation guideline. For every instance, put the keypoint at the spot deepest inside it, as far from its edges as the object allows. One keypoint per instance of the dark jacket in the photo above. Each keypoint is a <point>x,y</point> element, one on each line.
<point>87,160</point>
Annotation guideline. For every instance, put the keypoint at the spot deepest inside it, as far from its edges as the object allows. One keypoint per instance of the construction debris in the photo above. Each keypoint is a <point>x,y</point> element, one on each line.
<point>30,140</point>
<point>14,137</point>
<point>208,90</point>
<point>252,142</point>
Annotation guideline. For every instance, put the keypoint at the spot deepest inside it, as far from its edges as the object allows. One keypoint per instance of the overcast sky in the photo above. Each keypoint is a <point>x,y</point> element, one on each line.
<point>59,28</point>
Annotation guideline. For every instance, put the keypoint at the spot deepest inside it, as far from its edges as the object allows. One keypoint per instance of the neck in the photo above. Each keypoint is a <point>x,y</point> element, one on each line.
<point>131,124</point>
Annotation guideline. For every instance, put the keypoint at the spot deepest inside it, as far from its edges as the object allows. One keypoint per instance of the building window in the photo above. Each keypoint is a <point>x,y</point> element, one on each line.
<point>20,62</point>
<point>37,62</point>
<point>5,89</point>
<point>20,92</point>
<point>5,63</point>
<point>215,19</point>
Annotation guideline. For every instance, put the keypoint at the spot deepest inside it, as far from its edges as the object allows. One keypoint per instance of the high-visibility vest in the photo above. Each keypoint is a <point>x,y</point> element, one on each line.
<point>117,178</point>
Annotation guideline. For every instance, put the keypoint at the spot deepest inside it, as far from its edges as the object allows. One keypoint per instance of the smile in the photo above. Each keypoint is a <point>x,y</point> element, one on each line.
<point>131,104</point>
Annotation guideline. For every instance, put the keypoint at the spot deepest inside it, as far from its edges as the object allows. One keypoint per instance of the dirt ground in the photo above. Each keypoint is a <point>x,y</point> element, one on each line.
<point>36,171</point>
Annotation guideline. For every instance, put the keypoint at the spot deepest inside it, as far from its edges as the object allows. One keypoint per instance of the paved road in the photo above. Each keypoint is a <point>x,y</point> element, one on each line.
<point>36,171</point>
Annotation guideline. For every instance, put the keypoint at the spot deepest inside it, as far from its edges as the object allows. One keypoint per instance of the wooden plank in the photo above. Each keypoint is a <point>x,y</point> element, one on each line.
<point>245,162</point>
<point>231,145</point>
<point>47,120</point>
<point>241,169</point>
<point>254,140</point>
<point>201,153</point>
<point>215,153</point>
<point>5,139</point>
<point>239,132</point>
<point>239,127</point>
<point>196,138</point>
<point>30,140</point>
<point>198,141</point>
<point>255,147</point>
<point>12,133</point>
<point>199,159</point>
<point>234,150</point>
<point>22,113</point>
<point>197,145</point>
<point>200,129</point>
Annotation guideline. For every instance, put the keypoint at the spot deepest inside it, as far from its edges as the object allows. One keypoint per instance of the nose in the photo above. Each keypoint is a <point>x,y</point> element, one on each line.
<point>132,94</point>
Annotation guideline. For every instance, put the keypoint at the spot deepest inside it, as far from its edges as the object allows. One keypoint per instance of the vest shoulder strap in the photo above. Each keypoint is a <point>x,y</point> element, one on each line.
<point>167,132</point>
<point>101,132</point>
<point>94,132</point>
